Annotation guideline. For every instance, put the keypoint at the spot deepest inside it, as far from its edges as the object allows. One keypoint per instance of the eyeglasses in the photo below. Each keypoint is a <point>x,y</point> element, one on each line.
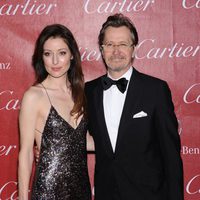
<point>121,47</point>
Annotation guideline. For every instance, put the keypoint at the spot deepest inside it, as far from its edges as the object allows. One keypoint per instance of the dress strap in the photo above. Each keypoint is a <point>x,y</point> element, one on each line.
<point>46,93</point>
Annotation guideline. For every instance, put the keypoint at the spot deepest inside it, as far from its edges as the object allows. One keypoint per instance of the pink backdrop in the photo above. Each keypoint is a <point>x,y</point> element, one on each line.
<point>169,48</point>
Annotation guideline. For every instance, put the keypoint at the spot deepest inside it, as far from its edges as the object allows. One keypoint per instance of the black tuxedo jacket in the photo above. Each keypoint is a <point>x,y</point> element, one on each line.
<point>146,164</point>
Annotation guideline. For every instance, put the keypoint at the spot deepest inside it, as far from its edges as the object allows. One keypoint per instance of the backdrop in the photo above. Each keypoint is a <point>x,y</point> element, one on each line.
<point>169,48</point>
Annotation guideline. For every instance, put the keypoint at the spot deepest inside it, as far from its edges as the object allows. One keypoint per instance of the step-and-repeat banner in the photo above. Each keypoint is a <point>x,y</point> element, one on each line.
<point>169,48</point>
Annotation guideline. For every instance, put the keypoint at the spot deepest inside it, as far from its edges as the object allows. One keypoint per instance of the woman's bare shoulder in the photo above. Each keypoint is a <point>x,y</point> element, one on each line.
<point>33,95</point>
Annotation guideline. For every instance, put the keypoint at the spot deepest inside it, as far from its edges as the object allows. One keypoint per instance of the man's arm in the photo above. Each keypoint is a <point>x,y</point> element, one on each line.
<point>167,131</point>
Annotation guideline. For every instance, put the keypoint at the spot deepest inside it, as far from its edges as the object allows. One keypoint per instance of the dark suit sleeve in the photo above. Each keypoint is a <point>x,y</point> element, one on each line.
<point>167,130</point>
<point>88,105</point>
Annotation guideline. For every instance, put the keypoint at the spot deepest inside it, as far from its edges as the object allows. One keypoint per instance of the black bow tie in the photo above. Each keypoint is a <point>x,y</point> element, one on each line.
<point>108,82</point>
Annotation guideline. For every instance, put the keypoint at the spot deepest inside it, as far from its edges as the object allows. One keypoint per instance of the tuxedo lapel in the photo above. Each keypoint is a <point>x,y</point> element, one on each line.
<point>101,118</point>
<point>132,98</point>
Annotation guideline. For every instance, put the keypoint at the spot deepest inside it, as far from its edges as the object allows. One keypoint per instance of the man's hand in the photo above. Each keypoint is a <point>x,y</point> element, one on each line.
<point>36,154</point>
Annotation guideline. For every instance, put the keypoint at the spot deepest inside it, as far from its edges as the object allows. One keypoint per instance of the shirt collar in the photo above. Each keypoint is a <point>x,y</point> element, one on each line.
<point>127,75</point>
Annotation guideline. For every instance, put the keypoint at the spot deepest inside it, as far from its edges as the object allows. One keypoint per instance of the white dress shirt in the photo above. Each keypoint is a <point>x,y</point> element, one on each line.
<point>113,103</point>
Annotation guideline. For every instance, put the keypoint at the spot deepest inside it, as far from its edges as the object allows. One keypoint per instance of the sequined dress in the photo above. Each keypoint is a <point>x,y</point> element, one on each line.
<point>62,173</point>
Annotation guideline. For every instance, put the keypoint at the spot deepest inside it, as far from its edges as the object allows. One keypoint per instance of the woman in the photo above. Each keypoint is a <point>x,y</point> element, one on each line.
<point>53,115</point>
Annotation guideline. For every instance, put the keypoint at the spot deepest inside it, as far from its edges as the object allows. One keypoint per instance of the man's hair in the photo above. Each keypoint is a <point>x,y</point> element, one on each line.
<point>118,20</point>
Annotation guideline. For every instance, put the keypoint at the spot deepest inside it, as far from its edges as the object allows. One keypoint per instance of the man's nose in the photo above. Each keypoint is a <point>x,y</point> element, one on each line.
<point>116,49</point>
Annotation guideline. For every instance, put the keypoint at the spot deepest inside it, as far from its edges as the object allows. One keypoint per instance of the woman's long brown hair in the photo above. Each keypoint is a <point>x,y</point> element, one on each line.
<point>74,74</point>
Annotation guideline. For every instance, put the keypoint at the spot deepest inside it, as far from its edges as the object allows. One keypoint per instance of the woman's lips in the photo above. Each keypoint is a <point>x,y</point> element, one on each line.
<point>56,69</point>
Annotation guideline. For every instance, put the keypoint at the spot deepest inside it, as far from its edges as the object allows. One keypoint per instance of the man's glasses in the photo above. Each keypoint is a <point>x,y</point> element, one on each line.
<point>122,47</point>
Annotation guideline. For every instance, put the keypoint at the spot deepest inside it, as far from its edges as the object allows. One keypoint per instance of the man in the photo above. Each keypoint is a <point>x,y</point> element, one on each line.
<point>133,124</point>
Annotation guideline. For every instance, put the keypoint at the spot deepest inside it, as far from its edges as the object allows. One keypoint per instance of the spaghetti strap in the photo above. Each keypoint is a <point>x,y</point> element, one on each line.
<point>38,131</point>
<point>46,93</point>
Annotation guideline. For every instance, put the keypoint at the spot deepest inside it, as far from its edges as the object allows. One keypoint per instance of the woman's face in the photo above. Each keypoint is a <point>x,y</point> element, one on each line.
<point>56,57</point>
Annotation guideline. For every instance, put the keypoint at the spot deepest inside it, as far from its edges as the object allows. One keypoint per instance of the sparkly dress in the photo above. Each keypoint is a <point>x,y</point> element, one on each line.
<point>62,173</point>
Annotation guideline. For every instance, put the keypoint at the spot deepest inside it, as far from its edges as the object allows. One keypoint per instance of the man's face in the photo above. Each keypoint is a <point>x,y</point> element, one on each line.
<point>117,49</point>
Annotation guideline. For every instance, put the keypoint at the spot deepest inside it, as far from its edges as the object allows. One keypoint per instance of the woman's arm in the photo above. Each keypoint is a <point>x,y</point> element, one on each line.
<point>27,121</point>
<point>90,142</point>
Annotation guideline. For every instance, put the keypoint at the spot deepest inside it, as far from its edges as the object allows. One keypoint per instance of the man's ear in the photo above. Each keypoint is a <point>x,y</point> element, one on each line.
<point>102,53</point>
<point>134,51</point>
